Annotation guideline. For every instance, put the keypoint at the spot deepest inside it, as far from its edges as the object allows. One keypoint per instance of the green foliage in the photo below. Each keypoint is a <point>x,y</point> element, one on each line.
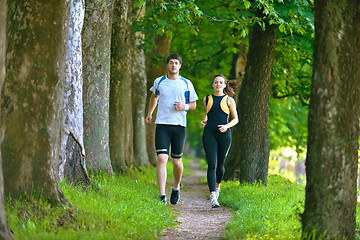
<point>224,25</point>
<point>122,208</point>
<point>271,212</point>
<point>207,34</point>
<point>288,124</point>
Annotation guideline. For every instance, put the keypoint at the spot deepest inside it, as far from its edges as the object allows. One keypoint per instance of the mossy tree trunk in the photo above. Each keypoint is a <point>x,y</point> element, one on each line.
<point>333,125</point>
<point>121,120</point>
<point>139,92</point>
<point>96,38</point>
<point>32,98</point>
<point>253,107</point>
<point>153,71</point>
<point>5,232</point>
<point>72,142</point>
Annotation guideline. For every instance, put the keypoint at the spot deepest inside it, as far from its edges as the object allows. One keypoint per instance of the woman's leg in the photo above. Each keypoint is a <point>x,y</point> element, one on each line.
<point>223,141</point>
<point>210,148</point>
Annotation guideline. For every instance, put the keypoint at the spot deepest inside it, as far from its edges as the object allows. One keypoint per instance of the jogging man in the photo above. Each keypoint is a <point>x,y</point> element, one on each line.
<point>174,96</point>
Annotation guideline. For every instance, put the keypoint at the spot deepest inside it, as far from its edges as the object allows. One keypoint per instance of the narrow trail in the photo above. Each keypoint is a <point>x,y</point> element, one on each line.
<point>196,218</point>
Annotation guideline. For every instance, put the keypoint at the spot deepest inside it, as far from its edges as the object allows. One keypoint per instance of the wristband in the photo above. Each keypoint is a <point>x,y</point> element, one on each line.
<point>186,107</point>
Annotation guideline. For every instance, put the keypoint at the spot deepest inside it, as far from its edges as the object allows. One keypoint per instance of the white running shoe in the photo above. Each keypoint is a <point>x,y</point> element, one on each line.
<point>217,192</point>
<point>214,202</point>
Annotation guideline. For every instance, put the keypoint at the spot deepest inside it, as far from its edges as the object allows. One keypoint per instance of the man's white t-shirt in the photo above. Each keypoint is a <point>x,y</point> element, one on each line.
<point>171,91</point>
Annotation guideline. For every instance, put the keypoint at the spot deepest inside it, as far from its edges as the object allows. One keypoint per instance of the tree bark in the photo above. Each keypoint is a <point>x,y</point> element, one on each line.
<point>121,121</point>
<point>138,96</point>
<point>253,107</point>
<point>96,74</point>
<point>237,76</point>
<point>5,232</point>
<point>162,49</point>
<point>32,98</point>
<point>237,71</point>
<point>73,104</point>
<point>333,125</point>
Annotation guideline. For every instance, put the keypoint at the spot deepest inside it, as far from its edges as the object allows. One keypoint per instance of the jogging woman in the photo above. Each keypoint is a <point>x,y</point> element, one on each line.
<point>217,136</point>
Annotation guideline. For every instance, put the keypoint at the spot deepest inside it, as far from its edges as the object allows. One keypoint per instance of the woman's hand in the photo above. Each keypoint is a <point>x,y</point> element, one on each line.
<point>223,128</point>
<point>203,123</point>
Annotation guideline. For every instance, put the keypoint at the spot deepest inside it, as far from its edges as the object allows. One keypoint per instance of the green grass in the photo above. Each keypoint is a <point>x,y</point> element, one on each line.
<point>271,212</point>
<point>122,208</point>
<point>127,207</point>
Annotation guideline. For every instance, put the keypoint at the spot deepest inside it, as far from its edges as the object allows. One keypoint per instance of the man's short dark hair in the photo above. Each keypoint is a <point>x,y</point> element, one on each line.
<point>173,56</point>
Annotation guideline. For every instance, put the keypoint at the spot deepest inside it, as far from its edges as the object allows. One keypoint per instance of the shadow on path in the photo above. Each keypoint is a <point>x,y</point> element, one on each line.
<point>196,218</point>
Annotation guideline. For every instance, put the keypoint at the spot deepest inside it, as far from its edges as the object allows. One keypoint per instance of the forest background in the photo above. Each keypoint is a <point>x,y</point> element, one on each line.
<point>76,75</point>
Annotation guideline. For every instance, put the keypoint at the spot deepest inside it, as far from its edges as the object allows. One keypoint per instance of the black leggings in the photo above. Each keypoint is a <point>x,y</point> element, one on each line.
<point>216,146</point>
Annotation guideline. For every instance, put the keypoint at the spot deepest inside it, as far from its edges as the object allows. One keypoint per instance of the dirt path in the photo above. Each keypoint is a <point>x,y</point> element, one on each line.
<point>196,218</point>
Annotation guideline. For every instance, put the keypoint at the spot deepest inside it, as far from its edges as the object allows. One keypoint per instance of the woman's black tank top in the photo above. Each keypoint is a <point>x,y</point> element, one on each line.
<point>216,116</point>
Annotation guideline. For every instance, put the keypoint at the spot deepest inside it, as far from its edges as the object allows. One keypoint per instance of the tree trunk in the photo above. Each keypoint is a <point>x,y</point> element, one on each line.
<point>96,37</point>
<point>333,127</point>
<point>138,97</point>
<point>237,72</point>
<point>73,105</point>
<point>162,49</point>
<point>253,107</point>
<point>121,122</point>
<point>232,164</point>
<point>5,232</point>
<point>32,98</point>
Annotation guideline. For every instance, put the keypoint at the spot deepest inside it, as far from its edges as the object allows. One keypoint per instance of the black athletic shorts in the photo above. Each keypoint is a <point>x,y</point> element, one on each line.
<point>166,135</point>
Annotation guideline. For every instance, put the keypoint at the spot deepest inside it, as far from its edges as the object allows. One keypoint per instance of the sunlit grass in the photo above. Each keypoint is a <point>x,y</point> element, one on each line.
<point>271,212</point>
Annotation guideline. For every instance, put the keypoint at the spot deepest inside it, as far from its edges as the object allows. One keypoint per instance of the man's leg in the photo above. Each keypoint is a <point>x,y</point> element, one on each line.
<point>161,172</point>
<point>177,147</point>
<point>177,170</point>
<point>162,143</point>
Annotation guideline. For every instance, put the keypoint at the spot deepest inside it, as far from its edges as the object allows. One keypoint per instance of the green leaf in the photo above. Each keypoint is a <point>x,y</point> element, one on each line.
<point>160,31</point>
<point>169,33</point>
<point>282,28</point>
<point>243,33</point>
<point>180,18</point>
<point>139,3</point>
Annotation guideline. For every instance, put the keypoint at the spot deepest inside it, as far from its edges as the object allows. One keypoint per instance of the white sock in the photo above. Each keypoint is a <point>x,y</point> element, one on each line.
<point>177,189</point>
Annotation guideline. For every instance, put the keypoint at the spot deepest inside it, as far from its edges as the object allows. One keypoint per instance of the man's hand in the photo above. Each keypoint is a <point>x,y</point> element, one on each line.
<point>178,106</point>
<point>148,120</point>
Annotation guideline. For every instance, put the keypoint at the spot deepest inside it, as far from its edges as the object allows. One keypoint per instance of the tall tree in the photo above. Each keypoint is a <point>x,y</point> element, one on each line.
<point>32,97</point>
<point>154,69</point>
<point>121,121</point>
<point>96,39</point>
<point>139,92</point>
<point>72,142</point>
<point>5,232</point>
<point>333,124</point>
<point>237,76</point>
<point>253,105</point>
